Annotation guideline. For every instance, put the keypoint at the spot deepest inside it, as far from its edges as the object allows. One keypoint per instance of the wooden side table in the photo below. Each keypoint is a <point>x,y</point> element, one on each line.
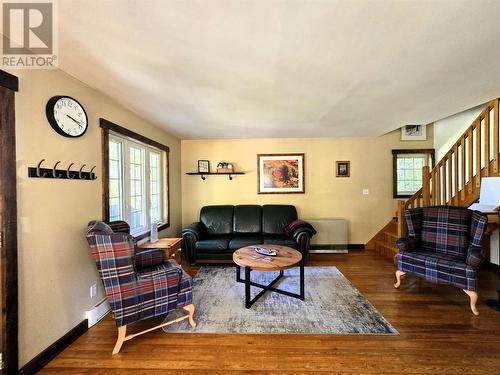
<point>171,247</point>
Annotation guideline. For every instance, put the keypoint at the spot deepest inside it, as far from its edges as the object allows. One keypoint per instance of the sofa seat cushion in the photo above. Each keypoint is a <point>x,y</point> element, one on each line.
<point>239,242</point>
<point>439,268</point>
<point>218,243</point>
<point>280,240</point>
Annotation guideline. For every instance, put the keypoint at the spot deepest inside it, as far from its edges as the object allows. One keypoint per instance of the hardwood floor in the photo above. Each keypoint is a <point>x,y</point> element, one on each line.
<point>438,335</point>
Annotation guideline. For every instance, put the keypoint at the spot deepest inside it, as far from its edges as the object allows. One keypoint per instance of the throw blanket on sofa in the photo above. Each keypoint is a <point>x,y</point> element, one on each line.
<point>296,224</point>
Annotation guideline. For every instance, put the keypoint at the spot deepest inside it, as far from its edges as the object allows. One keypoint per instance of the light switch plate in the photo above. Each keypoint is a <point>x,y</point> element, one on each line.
<point>366,192</point>
<point>93,290</point>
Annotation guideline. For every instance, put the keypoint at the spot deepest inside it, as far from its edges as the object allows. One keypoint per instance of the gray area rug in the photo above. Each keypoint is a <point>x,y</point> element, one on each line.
<point>332,305</point>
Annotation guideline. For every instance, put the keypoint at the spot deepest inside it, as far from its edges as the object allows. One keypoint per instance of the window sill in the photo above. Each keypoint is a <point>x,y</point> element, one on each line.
<point>143,235</point>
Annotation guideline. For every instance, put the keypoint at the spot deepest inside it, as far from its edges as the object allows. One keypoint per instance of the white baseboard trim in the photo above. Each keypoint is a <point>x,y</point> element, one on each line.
<point>98,312</point>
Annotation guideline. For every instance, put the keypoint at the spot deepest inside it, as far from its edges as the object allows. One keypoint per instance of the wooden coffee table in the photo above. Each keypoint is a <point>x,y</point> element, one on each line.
<point>286,258</point>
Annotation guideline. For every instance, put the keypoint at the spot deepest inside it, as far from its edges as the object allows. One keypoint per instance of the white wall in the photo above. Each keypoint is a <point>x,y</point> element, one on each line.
<point>446,133</point>
<point>448,130</point>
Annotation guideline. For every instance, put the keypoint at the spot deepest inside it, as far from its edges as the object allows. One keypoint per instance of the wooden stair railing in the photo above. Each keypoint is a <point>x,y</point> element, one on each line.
<point>456,178</point>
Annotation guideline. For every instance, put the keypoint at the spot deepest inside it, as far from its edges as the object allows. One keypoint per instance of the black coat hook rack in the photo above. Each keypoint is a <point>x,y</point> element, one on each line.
<point>64,174</point>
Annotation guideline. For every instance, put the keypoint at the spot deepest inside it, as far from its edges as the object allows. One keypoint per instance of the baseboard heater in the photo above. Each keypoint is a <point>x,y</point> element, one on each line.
<point>98,312</point>
<point>331,236</point>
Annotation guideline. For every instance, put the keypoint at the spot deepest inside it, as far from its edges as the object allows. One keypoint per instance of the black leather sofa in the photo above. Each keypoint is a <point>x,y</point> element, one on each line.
<point>224,229</point>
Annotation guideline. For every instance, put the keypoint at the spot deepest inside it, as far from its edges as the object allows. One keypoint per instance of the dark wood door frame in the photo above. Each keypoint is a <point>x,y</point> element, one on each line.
<point>8,224</point>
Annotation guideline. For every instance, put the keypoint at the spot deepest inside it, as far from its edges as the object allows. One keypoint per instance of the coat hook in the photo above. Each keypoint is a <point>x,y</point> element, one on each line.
<point>68,175</point>
<point>80,172</point>
<point>91,174</point>
<point>54,174</point>
<point>38,174</point>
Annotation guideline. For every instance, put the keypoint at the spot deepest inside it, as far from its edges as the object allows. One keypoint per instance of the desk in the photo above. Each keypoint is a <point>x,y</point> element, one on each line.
<point>171,247</point>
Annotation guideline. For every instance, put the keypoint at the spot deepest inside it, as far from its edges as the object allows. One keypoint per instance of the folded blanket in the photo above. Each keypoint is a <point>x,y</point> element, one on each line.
<point>296,224</point>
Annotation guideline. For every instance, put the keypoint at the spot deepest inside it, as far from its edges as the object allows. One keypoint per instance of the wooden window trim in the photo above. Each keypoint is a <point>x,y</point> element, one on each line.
<point>106,127</point>
<point>395,153</point>
<point>9,345</point>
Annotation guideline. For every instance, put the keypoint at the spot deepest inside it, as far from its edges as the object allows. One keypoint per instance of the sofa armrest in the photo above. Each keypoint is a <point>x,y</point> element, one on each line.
<point>474,256</point>
<point>190,235</point>
<point>302,230</point>
<point>407,244</point>
<point>195,229</point>
<point>296,227</point>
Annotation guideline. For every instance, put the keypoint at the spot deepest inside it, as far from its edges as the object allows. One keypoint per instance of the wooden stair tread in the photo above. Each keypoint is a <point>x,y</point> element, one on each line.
<point>391,234</point>
<point>387,246</point>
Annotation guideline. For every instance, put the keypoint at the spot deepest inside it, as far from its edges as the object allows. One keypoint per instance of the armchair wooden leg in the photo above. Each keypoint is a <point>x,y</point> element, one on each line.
<point>121,338</point>
<point>190,309</point>
<point>398,278</point>
<point>473,299</point>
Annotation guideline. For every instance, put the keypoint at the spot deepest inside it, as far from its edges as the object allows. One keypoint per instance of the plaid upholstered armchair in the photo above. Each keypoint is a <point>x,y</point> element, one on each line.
<point>138,285</point>
<point>444,245</point>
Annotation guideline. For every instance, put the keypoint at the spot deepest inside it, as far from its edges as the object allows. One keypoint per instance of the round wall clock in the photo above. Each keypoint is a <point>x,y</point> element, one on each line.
<point>66,116</point>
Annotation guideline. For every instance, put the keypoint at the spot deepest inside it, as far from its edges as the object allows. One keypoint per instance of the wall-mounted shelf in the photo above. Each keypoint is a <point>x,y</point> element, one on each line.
<point>203,175</point>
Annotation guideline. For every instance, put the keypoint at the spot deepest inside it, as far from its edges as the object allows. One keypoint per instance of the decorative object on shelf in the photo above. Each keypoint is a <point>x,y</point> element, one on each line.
<point>414,133</point>
<point>203,166</point>
<point>153,236</point>
<point>203,175</point>
<point>223,167</point>
<point>280,173</point>
<point>64,174</point>
<point>66,116</point>
<point>342,169</point>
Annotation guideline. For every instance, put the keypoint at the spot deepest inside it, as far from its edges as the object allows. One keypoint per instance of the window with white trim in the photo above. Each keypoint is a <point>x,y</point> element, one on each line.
<point>137,175</point>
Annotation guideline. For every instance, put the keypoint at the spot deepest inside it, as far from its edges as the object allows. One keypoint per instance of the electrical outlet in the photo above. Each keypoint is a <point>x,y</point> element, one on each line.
<point>366,192</point>
<point>93,290</point>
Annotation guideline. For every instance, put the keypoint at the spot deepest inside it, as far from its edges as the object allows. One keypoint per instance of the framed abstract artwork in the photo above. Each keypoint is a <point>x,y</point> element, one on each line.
<point>280,173</point>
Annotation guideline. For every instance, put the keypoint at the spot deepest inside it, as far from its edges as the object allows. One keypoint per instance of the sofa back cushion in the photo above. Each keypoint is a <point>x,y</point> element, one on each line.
<point>446,230</point>
<point>275,217</point>
<point>218,220</point>
<point>247,220</point>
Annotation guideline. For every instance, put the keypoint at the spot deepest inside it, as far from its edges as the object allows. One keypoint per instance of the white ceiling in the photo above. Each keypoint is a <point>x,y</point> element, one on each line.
<point>254,69</point>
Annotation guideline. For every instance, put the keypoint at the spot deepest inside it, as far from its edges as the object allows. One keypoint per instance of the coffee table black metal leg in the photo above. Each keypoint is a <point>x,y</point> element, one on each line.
<point>238,274</point>
<point>302,292</point>
<point>248,303</point>
<point>269,287</point>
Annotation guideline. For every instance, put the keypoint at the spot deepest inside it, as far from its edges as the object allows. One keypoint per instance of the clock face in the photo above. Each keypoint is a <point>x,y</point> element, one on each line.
<point>66,116</point>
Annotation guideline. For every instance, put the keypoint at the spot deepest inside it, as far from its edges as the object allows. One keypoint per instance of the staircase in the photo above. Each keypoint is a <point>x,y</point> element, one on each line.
<point>454,181</point>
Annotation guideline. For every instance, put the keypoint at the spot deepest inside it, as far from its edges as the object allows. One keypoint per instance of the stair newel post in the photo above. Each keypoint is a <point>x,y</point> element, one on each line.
<point>426,186</point>
<point>400,214</point>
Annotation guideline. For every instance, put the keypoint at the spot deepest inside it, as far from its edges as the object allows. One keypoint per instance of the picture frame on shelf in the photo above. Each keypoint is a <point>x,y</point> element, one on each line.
<point>203,166</point>
<point>414,133</point>
<point>342,168</point>
<point>280,174</point>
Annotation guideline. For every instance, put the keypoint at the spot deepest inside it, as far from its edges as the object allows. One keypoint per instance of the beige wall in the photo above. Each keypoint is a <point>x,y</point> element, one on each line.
<point>55,267</point>
<point>326,196</point>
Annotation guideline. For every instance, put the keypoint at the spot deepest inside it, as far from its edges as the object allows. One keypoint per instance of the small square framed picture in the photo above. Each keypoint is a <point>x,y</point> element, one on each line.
<point>203,166</point>
<point>342,168</point>
<point>414,133</point>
